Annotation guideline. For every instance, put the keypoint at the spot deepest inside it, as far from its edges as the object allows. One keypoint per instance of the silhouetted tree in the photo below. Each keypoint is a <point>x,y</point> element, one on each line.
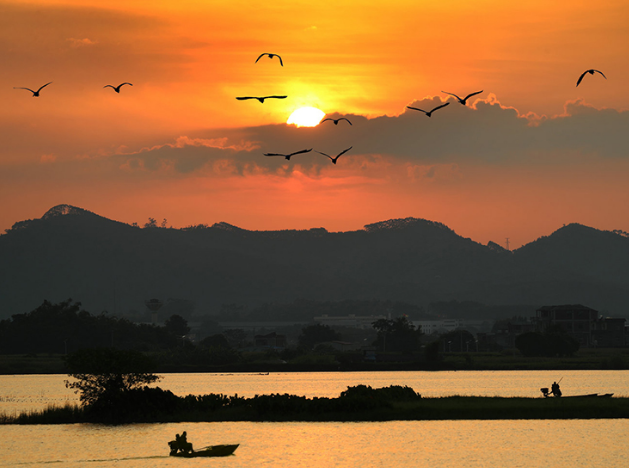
<point>177,325</point>
<point>66,327</point>
<point>103,373</point>
<point>553,342</point>
<point>152,223</point>
<point>317,333</point>
<point>398,334</point>
<point>531,344</point>
<point>215,341</point>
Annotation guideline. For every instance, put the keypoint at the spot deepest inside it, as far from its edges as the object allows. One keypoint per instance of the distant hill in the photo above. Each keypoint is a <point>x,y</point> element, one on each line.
<point>112,266</point>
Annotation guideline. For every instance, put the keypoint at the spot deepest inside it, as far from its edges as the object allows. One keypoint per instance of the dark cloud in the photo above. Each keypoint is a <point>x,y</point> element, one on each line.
<point>487,133</point>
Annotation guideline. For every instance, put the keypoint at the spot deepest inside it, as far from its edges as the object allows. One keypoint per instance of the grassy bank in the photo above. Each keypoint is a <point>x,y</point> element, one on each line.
<point>359,403</point>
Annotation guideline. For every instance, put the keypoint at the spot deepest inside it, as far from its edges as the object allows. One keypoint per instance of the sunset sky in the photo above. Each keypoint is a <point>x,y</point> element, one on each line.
<point>531,153</point>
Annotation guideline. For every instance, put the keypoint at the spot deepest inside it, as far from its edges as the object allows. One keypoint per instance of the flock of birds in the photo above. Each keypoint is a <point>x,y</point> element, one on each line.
<point>261,99</point>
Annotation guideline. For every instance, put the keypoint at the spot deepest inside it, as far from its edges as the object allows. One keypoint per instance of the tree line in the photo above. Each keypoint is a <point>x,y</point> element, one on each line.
<point>66,327</point>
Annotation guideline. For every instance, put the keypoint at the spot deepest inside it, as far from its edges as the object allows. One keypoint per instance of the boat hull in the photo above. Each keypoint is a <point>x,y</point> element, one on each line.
<point>212,451</point>
<point>590,395</point>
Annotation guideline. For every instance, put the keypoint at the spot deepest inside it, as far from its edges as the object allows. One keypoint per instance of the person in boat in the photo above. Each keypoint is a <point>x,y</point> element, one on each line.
<point>180,444</point>
<point>184,445</point>
<point>554,389</point>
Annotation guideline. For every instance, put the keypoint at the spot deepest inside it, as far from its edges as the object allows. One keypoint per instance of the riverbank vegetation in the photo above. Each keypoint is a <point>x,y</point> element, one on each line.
<point>360,403</point>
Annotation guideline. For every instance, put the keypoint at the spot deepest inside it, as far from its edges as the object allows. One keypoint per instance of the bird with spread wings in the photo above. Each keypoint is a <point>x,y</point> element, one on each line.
<point>260,98</point>
<point>591,71</point>
<point>288,156</point>
<point>35,93</point>
<point>463,100</point>
<point>337,156</point>
<point>429,113</point>
<point>336,121</point>
<point>117,88</point>
<point>270,56</point>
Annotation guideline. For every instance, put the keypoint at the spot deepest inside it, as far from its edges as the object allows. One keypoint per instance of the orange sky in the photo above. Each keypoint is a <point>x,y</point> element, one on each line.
<point>534,154</point>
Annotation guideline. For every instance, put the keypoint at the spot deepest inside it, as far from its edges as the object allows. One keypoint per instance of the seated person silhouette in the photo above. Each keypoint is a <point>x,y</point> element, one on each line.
<point>554,389</point>
<point>180,444</point>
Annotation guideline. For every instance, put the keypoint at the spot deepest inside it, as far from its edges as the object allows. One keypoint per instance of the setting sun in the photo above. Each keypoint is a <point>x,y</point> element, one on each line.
<point>306,117</point>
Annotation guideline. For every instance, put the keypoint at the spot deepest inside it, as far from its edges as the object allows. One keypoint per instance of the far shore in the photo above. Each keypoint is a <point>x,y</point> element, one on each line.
<point>585,359</point>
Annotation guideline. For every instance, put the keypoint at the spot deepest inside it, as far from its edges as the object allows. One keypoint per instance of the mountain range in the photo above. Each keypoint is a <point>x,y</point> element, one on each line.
<point>111,266</point>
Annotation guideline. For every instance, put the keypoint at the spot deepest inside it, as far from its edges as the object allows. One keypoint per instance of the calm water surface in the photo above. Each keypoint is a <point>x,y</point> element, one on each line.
<point>495,444</point>
<point>469,444</point>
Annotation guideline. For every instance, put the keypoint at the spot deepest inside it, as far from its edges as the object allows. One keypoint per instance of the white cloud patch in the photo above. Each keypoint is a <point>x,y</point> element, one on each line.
<point>77,43</point>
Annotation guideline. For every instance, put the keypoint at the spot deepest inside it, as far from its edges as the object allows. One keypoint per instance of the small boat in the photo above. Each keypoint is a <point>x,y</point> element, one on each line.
<point>211,451</point>
<point>548,394</point>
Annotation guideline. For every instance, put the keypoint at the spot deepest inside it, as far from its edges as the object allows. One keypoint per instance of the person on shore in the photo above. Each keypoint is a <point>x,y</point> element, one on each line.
<point>555,389</point>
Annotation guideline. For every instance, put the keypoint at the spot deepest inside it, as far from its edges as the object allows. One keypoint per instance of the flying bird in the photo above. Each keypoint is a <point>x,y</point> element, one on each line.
<point>336,121</point>
<point>591,72</point>
<point>270,56</point>
<point>337,156</point>
<point>35,93</point>
<point>428,113</point>
<point>464,100</point>
<point>261,99</point>
<point>117,88</point>
<point>287,156</point>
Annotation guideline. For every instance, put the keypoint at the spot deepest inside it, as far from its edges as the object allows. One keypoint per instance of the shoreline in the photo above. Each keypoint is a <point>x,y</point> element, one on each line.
<point>587,359</point>
<point>364,405</point>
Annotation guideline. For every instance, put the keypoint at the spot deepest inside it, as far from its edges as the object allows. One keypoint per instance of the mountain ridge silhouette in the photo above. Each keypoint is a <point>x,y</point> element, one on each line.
<point>112,266</point>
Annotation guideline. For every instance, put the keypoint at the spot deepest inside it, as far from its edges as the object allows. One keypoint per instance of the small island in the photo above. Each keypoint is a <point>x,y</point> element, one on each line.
<point>114,389</point>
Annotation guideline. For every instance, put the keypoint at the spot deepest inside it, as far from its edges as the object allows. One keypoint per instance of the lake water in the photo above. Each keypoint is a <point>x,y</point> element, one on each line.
<point>495,444</point>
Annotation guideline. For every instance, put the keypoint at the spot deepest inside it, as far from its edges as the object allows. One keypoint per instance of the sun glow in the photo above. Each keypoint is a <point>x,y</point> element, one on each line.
<point>306,117</point>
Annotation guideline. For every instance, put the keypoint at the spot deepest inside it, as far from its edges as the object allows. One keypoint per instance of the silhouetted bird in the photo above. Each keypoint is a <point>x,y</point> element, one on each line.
<point>428,113</point>
<point>261,99</point>
<point>591,72</point>
<point>336,121</point>
<point>287,156</point>
<point>35,93</point>
<point>270,56</point>
<point>117,88</point>
<point>337,156</point>
<point>464,100</point>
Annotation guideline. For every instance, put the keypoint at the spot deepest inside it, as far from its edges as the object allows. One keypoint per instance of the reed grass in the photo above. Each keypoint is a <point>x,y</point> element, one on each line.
<point>52,414</point>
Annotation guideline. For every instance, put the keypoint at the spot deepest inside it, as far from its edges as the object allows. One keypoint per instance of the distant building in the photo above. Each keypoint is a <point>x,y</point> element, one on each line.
<point>351,321</point>
<point>270,341</point>
<point>609,333</point>
<point>447,325</point>
<point>584,324</point>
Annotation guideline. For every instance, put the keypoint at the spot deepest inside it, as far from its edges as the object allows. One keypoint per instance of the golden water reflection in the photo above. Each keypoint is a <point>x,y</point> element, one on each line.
<point>504,444</point>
